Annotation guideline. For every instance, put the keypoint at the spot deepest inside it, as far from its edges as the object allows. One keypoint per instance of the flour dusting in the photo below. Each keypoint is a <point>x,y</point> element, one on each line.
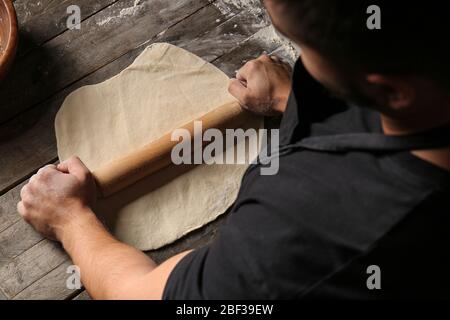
<point>130,11</point>
<point>269,35</point>
<point>227,7</point>
<point>266,32</point>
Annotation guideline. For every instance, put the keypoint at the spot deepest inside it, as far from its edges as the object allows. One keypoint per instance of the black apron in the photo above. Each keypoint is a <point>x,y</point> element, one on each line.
<point>376,142</point>
<point>368,142</point>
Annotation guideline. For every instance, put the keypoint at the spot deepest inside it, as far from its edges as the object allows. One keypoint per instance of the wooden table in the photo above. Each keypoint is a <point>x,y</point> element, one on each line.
<point>53,61</point>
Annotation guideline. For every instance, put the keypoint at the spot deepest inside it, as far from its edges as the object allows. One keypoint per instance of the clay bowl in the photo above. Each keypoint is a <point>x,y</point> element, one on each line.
<point>8,36</point>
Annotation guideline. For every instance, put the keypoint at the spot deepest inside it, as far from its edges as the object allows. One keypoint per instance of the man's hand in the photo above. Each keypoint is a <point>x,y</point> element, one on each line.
<point>263,85</point>
<point>57,197</point>
<point>57,202</point>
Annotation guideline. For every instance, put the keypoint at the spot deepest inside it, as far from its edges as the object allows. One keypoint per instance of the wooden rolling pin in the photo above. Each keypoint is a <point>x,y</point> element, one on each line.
<point>132,167</point>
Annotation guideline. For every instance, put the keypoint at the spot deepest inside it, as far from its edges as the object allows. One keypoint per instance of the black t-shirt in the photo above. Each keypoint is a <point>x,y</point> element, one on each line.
<point>346,198</point>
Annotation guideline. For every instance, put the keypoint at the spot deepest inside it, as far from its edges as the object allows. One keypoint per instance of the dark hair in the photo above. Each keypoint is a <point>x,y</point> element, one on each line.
<point>414,36</point>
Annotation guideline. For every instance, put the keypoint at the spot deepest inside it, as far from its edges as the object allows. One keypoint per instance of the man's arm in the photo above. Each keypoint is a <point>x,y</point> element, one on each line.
<point>57,202</point>
<point>111,269</point>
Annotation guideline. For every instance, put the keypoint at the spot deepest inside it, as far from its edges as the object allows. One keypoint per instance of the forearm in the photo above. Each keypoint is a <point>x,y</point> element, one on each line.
<point>109,269</point>
<point>57,203</point>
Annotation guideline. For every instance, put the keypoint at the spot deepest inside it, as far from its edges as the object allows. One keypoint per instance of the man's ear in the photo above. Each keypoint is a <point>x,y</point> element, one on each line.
<point>396,92</point>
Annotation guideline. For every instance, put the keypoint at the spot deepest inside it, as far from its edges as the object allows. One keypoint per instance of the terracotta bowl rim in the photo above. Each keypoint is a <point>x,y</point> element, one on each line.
<point>11,43</point>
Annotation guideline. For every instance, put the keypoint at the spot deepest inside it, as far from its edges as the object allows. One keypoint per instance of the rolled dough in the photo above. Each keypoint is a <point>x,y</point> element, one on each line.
<point>165,87</point>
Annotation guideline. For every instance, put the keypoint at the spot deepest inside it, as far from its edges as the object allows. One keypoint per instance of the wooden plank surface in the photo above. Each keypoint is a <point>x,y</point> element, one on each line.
<point>8,212</point>
<point>84,295</point>
<point>35,25</point>
<point>30,266</point>
<point>74,54</point>
<point>16,239</point>
<point>52,286</point>
<point>224,32</point>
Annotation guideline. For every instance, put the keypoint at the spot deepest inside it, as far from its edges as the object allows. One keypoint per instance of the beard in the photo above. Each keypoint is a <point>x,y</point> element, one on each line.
<point>353,95</point>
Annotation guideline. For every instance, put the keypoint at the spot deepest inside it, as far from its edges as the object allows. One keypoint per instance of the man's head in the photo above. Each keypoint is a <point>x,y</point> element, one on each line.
<point>394,69</point>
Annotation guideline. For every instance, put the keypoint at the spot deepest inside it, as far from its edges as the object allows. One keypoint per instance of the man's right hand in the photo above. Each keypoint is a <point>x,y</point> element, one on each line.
<point>263,85</point>
<point>57,197</point>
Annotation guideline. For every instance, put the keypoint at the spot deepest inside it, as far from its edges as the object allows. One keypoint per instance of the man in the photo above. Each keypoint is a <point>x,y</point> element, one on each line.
<point>360,207</point>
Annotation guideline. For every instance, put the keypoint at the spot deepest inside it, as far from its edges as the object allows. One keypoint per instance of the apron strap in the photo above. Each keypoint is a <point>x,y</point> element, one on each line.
<point>431,139</point>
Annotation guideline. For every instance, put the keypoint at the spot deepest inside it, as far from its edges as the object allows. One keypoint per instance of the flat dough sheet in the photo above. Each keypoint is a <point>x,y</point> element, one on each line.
<point>164,88</point>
